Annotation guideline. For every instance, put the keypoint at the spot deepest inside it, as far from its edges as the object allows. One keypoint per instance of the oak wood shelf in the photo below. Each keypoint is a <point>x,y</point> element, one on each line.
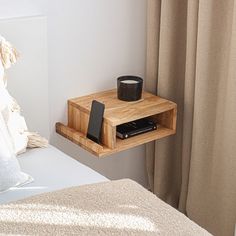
<point>160,110</point>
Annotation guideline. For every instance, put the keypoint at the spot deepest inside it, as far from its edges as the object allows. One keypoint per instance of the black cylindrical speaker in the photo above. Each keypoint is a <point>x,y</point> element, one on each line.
<point>129,88</point>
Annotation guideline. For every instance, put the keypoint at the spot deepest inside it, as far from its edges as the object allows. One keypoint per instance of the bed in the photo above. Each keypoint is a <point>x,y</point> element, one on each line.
<point>51,170</point>
<point>69,198</point>
<point>119,207</point>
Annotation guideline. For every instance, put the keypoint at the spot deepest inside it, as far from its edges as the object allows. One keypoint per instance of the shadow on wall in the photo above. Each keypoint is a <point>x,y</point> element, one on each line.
<point>127,164</point>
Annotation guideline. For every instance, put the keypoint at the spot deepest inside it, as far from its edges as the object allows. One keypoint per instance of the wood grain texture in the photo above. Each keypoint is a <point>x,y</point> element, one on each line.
<point>109,135</point>
<point>166,119</point>
<point>78,120</point>
<point>121,145</point>
<point>118,112</point>
<point>161,111</point>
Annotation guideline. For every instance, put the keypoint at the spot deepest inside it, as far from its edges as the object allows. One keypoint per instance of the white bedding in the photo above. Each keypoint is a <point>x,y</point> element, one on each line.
<point>51,170</point>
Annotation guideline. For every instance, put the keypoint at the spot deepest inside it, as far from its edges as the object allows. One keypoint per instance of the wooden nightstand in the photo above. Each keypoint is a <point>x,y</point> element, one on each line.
<point>117,112</point>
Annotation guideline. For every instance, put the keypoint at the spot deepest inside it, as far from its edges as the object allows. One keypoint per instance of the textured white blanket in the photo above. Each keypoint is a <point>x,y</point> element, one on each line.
<point>112,208</point>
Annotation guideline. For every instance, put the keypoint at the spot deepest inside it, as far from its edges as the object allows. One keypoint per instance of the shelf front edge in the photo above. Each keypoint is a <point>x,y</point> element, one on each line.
<point>79,139</point>
<point>102,151</point>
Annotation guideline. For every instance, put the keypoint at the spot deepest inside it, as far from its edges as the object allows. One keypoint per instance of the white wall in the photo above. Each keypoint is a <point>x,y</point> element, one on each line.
<point>22,8</point>
<point>91,43</point>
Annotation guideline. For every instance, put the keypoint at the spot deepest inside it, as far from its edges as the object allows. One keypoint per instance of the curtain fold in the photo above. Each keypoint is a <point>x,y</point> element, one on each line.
<point>191,59</point>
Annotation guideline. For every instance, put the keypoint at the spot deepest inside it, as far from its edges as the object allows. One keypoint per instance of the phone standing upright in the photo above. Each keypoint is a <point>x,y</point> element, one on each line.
<point>95,121</point>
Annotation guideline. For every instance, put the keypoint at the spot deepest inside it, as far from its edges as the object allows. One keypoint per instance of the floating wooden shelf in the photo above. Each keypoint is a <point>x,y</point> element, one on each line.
<point>161,111</point>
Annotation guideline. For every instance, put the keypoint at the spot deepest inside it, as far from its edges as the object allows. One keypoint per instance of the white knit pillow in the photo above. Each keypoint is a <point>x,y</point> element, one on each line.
<point>10,173</point>
<point>11,127</point>
<point>16,126</point>
<point>15,123</point>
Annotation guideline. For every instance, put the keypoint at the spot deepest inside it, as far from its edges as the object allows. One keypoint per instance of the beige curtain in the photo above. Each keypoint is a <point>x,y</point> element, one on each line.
<point>191,59</point>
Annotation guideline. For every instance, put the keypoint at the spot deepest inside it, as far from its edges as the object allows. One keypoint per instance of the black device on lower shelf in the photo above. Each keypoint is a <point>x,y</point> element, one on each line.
<point>136,127</point>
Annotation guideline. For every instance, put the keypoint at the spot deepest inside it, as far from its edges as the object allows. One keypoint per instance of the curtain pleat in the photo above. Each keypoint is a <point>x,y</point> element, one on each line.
<point>189,92</point>
<point>153,29</point>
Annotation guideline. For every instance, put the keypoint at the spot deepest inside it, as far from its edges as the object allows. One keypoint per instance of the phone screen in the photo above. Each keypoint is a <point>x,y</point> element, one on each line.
<point>95,121</point>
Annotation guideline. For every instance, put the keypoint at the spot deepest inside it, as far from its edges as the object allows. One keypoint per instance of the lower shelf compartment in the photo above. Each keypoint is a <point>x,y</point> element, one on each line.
<point>121,145</point>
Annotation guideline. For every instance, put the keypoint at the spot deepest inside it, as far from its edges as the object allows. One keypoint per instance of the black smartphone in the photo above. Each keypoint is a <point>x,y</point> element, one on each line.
<point>95,121</point>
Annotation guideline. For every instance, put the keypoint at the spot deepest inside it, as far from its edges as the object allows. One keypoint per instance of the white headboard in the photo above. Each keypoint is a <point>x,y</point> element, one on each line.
<point>28,79</point>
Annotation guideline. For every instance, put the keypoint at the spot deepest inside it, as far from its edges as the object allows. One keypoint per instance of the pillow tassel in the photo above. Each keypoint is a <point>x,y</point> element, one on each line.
<point>36,141</point>
<point>8,53</point>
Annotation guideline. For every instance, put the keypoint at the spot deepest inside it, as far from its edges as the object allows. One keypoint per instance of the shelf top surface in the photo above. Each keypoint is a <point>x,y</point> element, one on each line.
<point>119,112</point>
